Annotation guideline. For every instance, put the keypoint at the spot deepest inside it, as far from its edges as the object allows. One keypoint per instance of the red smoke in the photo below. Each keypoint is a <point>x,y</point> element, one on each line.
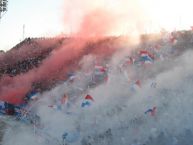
<point>55,67</point>
<point>63,59</point>
<point>97,24</point>
<point>59,60</point>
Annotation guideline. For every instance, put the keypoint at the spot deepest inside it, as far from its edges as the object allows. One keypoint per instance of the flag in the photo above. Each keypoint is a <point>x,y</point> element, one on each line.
<point>146,53</point>
<point>100,69</point>
<point>71,137</point>
<point>136,86</point>
<point>88,97</point>
<point>129,61</point>
<point>87,101</point>
<point>138,83</point>
<point>53,106</point>
<point>151,111</point>
<point>64,99</point>
<point>72,77</point>
<point>172,39</point>
<point>106,79</point>
<point>153,85</point>
<point>146,56</point>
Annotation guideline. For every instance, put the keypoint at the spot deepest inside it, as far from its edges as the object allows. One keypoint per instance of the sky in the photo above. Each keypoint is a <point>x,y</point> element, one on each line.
<point>40,18</point>
<point>45,18</point>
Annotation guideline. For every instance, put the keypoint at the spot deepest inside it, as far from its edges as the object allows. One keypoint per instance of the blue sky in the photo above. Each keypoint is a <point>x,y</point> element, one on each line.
<point>40,17</point>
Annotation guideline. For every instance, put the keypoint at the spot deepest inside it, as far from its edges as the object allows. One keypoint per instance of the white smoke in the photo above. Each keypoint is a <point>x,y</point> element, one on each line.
<point>117,114</point>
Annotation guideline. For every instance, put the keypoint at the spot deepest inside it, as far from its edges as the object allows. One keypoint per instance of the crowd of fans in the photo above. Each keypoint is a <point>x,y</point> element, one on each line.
<point>104,46</point>
<point>30,61</point>
<point>23,65</point>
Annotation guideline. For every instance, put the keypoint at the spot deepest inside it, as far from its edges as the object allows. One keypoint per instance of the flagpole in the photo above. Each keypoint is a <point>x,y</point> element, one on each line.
<point>180,21</point>
<point>23,31</point>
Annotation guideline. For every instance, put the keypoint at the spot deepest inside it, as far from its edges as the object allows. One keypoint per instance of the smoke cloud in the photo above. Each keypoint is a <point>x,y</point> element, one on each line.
<point>90,21</point>
<point>109,17</point>
<point>118,109</point>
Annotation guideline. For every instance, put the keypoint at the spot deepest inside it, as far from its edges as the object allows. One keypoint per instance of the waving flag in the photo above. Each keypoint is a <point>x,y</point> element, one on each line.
<point>172,38</point>
<point>146,53</point>
<point>136,86</point>
<point>153,85</point>
<point>129,61</point>
<point>64,99</point>
<point>87,101</point>
<point>106,79</point>
<point>85,104</point>
<point>151,111</point>
<point>33,95</point>
<point>88,97</point>
<point>2,107</point>
<point>71,77</point>
<point>146,56</point>
<point>70,137</point>
<point>52,106</point>
<point>100,69</point>
<point>138,83</point>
